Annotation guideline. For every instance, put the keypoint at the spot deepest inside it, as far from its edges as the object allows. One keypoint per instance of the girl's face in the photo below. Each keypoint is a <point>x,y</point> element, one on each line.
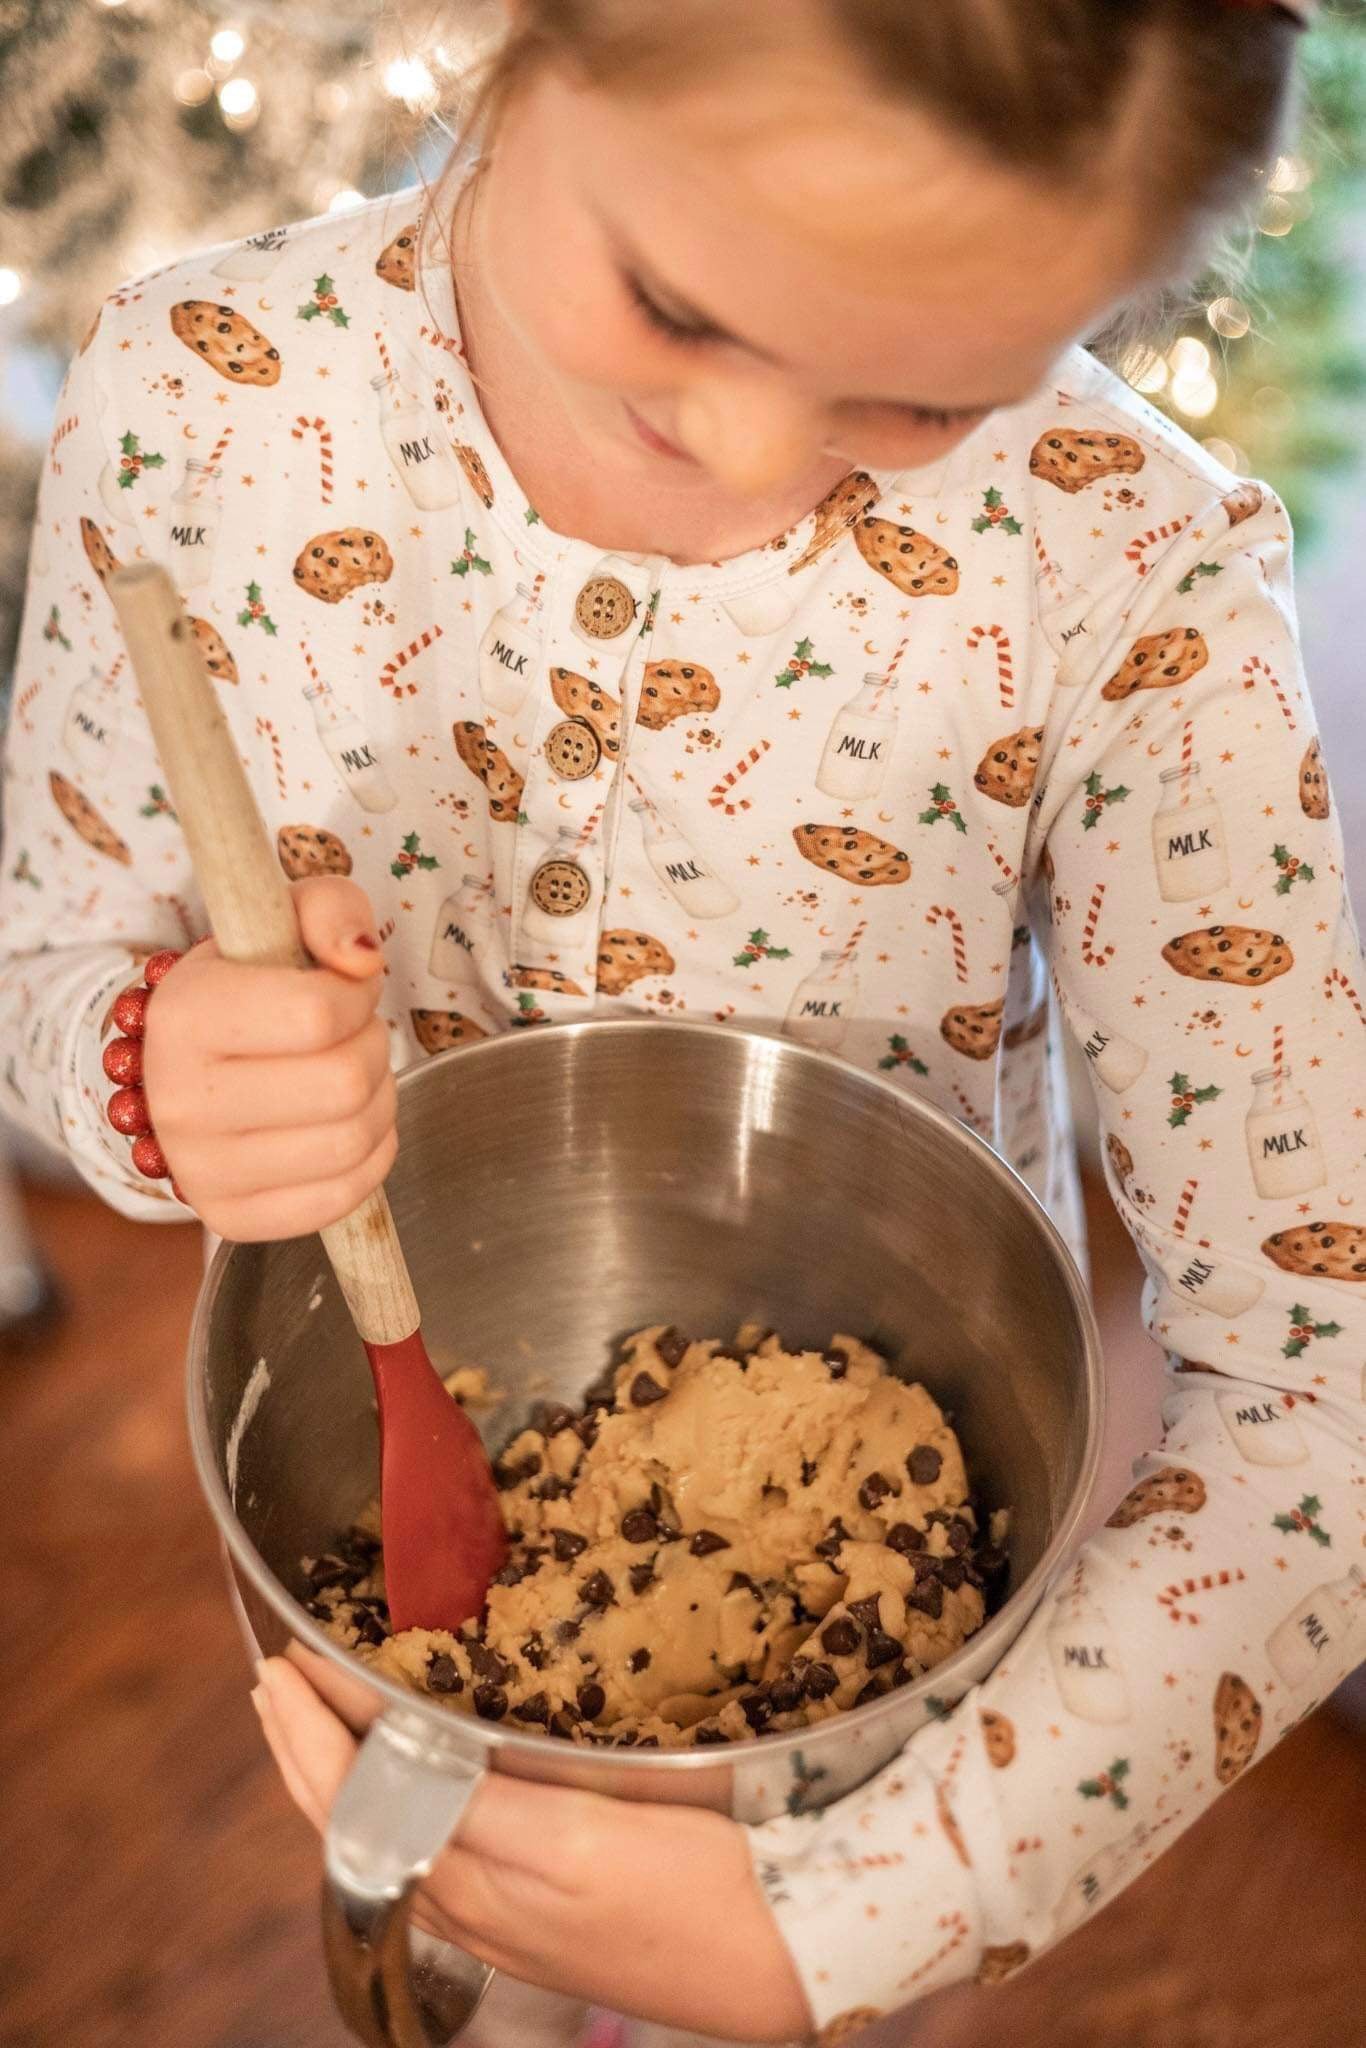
<point>751,279</point>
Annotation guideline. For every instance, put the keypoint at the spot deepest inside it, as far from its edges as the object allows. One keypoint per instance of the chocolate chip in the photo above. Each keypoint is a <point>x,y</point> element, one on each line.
<point>709,1736</point>
<point>785,1693</point>
<point>648,1741</point>
<point>924,1464</point>
<point>638,1525</point>
<point>837,1362</point>
<point>952,1572</point>
<point>741,1582</point>
<point>370,1630</point>
<point>490,1702</point>
<point>902,1675</point>
<point>666,1534</point>
<point>598,1590</point>
<point>586,1430</point>
<point>489,1664</point>
<point>592,1699</point>
<point>867,1612</point>
<point>904,1538</point>
<point>928,1599</point>
<point>991,1559</point>
<point>320,1610</point>
<point>537,1709</point>
<point>757,1709</point>
<point>516,1569</point>
<point>564,1721</point>
<point>671,1346</point>
<point>567,1544</point>
<point>871,1691</point>
<point>882,1649</point>
<point>808,1471</point>
<point>552,1488</point>
<point>513,1475</point>
<point>829,1546</point>
<point>639,1660</point>
<point>442,1675</point>
<point>959,1535</point>
<point>626,1740</point>
<point>840,1638</point>
<point>567,1631</point>
<point>821,1681</point>
<point>645,1391</point>
<point>552,1417</point>
<point>330,1571</point>
<point>875,1490</point>
<point>706,1542</point>
<point>641,1576</point>
<point>533,1651</point>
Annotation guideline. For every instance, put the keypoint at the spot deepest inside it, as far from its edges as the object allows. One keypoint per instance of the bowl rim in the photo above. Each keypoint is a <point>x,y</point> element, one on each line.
<point>494,1737</point>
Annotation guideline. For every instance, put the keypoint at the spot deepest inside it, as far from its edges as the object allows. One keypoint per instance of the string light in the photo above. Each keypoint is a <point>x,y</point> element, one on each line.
<point>1194,390</point>
<point>227,44</point>
<point>239,102</point>
<point>408,79</point>
<point>1277,216</point>
<point>11,285</point>
<point>1146,370</point>
<point>1229,317</point>
<point>1289,174</point>
<point>193,87</point>
<point>1229,453</point>
<point>343,201</point>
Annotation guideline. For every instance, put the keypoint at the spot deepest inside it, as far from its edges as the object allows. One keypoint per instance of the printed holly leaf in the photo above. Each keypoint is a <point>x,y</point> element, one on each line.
<point>957,821</point>
<point>1187,583</point>
<point>1180,1083</point>
<point>1294,1346</point>
<point>992,498</point>
<point>484,568</point>
<point>1093,785</point>
<point>821,668</point>
<point>939,1709</point>
<point>1208,1094</point>
<point>1285,1523</point>
<point>338,317</point>
<point>780,952</point>
<point>1090,821</point>
<point>154,462</point>
<point>126,479</point>
<point>322,284</point>
<point>1011,526</point>
<point>310,311</point>
<point>532,517</point>
<point>129,443</point>
<point>940,792</point>
<point>425,860</point>
<point>1283,886</point>
<point>1310,1504</point>
<point>1306,872</point>
<point>253,593</point>
<point>411,843</point>
<point>1116,796</point>
<point>271,628</point>
<point>803,650</point>
<point>928,817</point>
<point>1281,856</point>
<point>1120,1767</point>
<point>786,679</point>
<point>1177,1117</point>
<point>1091,1788</point>
<point>244,618</point>
<point>1321,1537</point>
<point>1328,1329</point>
<point>1299,1313</point>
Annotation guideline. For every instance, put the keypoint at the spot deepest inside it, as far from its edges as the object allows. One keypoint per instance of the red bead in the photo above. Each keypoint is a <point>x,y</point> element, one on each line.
<point>123,1061</point>
<point>127,1112</point>
<point>158,967</point>
<point>149,1158</point>
<point>129,1012</point>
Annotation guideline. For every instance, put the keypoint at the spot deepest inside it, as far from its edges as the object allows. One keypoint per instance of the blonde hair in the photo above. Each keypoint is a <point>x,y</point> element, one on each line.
<point>1181,104</point>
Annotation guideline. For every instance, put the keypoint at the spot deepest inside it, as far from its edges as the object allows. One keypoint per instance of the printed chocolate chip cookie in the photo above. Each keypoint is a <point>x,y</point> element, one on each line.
<point>625,957</point>
<point>397,260</point>
<point>974,1029</point>
<point>1007,770</point>
<point>306,850</point>
<point>1072,459</point>
<point>1001,1961</point>
<point>477,477</point>
<point>1314,798</point>
<point>858,857</point>
<point>332,565</point>
<point>214,648</point>
<point>910,560</point>
<point>675,689</point>
<point>1242,503</point>
<point>98,552</point>
<point>493,768</point>
<point>226,341</point>
<point>1236,953</point>
<point>852,498</point>
<point>998,1733</point>
<point>84,819</point>
<point>1159,661</point>
<point>547,979</point>
<point>439,1030</point>
<point>1237,1726</point>
<point>1171,1490</point>
<point>578,698</point>
<point>1326,1251</point>
<point>1119,1156</point>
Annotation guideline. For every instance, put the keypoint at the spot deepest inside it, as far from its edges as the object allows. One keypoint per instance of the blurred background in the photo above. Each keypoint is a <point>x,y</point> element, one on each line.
<point>162,1889</point>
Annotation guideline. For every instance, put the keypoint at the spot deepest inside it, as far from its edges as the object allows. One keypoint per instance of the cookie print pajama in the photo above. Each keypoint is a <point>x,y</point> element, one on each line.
<point>978,754</point>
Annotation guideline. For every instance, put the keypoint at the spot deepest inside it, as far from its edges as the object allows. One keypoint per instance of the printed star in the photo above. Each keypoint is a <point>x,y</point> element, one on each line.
<point>367,831</point>
<point>1169,1678</point>
<point>306,785</point>
<point>998,579</point>
<point>903,1010</point>
<point>592,661</point>
<point>742,658</point>
<point>690,935</point>
<point>1126,1115</point>
<point>679,776</point>
<point>695,597</point>
<point>404,905</point>
<point>675,618</point>
<point>754,861</point>
<point>1139,1001</point>
<point>357,648</point>
<point>361,484</point>
<point>260,547</point>
<point>1257,1005</point>
<point>323,371</point>
<point>128,344</point>
<point>1280,1564</point>
<point>1303,1208</point>
<point>1112,846</point>
<point>1075,741</point>
<point>1097,533</point>
<point>1233,1338</point>
<point>414,752</point>
<point>624,890</point>
<point>1207,1144</point>
<point>467,606</point>
<point>416,532</point>
<point>219,397</point>
<point>1316,1061</point>
<point>882,958</point>
<point>925,688</point>
<point>946,753</point>
<point>794,713</point>
<point>1321,926</point>
<point>904,510</point>
<point>1269,811</point>
<point>904,614</point>
<point>998,455</point>
<point>756,988</point>
<point>149,512</point>
<point>248,480</point>
<point>1319,1380</point>
<point>1205,910</point>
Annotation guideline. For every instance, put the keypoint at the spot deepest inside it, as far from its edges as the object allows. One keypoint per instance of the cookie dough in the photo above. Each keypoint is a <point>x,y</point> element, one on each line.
<point>726,1541</point>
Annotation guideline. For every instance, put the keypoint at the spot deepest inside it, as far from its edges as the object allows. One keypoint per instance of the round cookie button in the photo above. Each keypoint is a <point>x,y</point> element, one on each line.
<point>573,749</point>
<point>560,887</point>
<point>604,608</point>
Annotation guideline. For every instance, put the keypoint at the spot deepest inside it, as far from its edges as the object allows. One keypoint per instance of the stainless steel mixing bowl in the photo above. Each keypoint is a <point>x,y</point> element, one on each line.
<point>555,1190</point>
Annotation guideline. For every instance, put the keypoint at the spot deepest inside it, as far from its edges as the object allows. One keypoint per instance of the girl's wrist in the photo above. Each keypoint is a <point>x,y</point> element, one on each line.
<point>126,1109</point>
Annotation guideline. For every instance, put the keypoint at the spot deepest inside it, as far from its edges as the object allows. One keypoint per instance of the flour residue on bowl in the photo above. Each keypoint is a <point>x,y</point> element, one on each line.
<point>251,1401</point>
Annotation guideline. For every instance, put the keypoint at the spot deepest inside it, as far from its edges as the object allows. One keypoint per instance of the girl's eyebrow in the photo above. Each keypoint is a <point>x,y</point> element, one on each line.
<point>713,330</point>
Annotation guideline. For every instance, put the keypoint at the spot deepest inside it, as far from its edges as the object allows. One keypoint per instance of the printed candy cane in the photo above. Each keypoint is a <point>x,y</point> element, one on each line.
<point>589,826</point>
<point>936,915</point>
<point>303,425</point>
<point>438,340</point>
<point>1088,931</point>
<point>1183,1208</point>
<point>382,345</point>
<point>1138,547</point>
<point>978,1123</point>
<point>850,946</point>
<point>216,454</point>
<point>386,930</point>
<point>1336,975</point>
<point>1002,863</point>
<point>310,665</point>
<point>266,730</point>
<point>389,674</point>
<point>67,426</point>
<point>1048,568</point>
<point>182,917</point>
<point>1208,1582</point>
<point>1005,660</point>
<point>720,799</point>
<point>1187,750</point>
<point>116,670</point>
<point>1254,666</point>
<point>1278,1059</point>
<point>22,702</point>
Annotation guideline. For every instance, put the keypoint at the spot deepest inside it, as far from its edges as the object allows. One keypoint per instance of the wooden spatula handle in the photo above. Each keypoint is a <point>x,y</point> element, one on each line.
<point>244,891</point>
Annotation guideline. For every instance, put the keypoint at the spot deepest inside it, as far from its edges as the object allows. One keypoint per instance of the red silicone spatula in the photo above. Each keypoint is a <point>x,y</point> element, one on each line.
<point>443,1531</point>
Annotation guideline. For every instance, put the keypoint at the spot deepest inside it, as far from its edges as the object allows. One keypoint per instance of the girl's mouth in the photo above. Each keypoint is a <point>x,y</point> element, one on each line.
<point>655,442</point>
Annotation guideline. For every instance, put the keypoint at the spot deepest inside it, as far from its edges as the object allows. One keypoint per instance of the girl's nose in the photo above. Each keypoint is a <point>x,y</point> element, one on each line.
<point>753,433</point>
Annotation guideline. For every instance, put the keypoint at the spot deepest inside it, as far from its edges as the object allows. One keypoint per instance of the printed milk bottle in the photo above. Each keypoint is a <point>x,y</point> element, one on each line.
<point>509,650</point>
<point>1219,1285</point>
<point>416,446</point>
<point>823,1004</point>
<point>1282,1138</point>
<point>1086,1660</point>
<point>860,742</point>
<point>1117,1061</point>
<point>190,529</point>
<point>689,879</point>
<point>254,258</point>
<point>1314,1634</point>
<point>1263,1430</point>
<point>91,733</point>
<point>1189,850</point>
<point>359,769</point>
<point>457,922</point>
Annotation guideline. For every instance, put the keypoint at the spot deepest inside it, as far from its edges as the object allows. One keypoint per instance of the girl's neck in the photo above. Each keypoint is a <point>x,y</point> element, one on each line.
<point>593,493</point>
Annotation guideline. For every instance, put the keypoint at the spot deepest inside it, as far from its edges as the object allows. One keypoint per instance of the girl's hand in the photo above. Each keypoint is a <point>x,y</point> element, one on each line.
<point>270,1090</point>
<point>649,1910</point>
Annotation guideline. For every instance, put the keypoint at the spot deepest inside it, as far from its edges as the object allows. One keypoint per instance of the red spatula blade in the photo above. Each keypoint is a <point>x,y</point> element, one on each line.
<point>444,1536</point>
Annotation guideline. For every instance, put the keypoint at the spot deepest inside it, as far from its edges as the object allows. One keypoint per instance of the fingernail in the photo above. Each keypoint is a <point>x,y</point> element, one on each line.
<point>366,943</point>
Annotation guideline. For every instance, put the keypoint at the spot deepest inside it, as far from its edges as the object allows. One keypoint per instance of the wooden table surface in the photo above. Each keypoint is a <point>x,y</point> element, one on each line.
<point>161,1890</point>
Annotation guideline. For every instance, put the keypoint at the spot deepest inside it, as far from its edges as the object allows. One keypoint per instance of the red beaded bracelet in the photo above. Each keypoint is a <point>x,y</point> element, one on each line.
<point>127,1107</point>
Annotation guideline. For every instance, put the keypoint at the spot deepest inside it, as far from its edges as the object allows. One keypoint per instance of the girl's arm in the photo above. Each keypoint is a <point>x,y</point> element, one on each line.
<point>1222,1599</point>
<point>94,873</point>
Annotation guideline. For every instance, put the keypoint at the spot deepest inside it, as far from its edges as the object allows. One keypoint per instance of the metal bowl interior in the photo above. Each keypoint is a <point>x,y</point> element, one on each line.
<point>558,1189</point>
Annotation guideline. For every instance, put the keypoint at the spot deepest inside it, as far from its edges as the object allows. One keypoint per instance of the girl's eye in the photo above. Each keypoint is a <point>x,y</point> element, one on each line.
<point>894,416</point>
<point>664,322</point>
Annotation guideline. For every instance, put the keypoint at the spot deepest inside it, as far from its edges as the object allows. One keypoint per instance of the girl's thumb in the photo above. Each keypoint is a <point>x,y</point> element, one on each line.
<point>337,925</point>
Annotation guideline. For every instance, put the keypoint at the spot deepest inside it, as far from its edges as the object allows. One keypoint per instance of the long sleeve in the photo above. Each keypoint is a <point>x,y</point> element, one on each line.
<point>1204,953</point>
<point>95,874</point>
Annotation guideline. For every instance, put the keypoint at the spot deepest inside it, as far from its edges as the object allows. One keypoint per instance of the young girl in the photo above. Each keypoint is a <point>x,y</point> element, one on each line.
<point>689,564</point>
